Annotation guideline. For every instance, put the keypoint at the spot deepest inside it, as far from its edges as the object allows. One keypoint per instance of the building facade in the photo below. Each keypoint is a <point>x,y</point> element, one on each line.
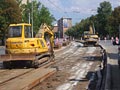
<point>63,25</point>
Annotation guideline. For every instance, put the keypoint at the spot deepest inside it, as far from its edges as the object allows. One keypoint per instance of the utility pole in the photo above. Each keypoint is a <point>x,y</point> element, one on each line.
<point>32,18</point>
<point>29,17</point>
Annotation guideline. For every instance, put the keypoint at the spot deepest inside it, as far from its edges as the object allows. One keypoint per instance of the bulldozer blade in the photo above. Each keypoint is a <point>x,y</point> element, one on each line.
<point>14,57</point>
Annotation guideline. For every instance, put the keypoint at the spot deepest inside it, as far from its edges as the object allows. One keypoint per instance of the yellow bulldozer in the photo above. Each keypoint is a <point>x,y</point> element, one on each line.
<point>90,38</point>
<point>23,48</point>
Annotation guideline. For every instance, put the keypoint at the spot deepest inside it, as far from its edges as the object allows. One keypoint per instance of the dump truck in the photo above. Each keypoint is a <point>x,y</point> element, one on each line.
<point>90,38</point>
<point>22,48</point>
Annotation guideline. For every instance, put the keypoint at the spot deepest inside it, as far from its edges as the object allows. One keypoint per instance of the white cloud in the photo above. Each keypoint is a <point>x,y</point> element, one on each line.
<point>76,4</point>
<point>75,8</point>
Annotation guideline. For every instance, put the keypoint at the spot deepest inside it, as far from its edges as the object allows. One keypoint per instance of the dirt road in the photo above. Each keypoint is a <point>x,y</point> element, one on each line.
<point>75,66</point>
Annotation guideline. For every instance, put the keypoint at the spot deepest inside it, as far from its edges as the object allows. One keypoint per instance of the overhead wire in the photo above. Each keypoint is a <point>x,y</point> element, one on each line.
<point>55,5</point>
<point>62,10</point>
<point>58,7</point>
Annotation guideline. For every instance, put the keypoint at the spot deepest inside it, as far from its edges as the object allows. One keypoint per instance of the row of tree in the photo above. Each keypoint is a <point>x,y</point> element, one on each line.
<point>14,11</point>
<point>106,22</point>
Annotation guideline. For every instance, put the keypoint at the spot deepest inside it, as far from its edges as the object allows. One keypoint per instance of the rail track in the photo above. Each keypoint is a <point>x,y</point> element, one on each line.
<point>24,79</point>
<point>74,64</point>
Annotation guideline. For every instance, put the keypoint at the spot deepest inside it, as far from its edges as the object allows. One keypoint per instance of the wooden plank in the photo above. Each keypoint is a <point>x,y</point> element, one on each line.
<point>2,70</point>
<point>27,81</point>
<point>11,74</point>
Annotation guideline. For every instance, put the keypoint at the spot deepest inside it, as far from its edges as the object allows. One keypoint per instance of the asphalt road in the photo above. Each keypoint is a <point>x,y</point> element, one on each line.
<point>113,75</point>
<point>2,50</point>
<point>114,71</point>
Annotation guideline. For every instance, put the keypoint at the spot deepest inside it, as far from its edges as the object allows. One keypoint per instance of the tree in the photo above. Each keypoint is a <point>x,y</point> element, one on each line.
<point>106,22</point>
<point>45,16</point>
<point>40,14</point>
<point>19,2</point>
<point>70,32</point>
<point>9,13</point>
<point>114,21</point>
<point>104,11</point>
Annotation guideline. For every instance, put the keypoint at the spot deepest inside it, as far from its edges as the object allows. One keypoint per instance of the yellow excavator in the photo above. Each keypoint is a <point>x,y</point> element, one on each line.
<point>22,48</point>
<point>90,38</point>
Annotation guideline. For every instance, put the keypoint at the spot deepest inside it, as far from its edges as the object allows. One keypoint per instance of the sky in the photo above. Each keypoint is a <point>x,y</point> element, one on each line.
<point>75,9</point>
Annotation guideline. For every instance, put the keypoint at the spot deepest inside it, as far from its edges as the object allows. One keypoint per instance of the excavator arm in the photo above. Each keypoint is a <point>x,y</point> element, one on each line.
<point>46,32</point>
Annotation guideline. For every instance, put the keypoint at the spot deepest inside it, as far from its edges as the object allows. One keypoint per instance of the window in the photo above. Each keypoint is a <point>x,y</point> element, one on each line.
<point>28,33</point>
<point>42,43</point>
<point>15,31</point>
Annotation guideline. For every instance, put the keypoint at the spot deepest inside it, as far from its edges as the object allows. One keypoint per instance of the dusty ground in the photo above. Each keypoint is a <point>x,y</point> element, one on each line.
<point>75,65</point>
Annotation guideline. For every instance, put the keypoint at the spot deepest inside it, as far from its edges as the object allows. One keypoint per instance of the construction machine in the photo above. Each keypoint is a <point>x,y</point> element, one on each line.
<point>23,48</point>
<point>90,38</point>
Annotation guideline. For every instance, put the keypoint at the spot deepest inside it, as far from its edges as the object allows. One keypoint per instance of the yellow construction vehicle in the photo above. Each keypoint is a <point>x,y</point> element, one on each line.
<point>90,38</point>
<point>22,48</point>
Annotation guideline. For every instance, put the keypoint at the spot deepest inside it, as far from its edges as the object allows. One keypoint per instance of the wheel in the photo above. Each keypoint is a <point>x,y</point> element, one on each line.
<point>7,64</point>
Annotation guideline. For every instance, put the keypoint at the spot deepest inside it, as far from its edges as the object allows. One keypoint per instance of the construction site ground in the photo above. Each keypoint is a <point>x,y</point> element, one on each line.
<point>75,65</point>
<point>73,69</point>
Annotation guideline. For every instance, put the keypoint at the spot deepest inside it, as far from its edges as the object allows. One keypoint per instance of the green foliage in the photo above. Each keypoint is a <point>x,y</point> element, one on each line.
<point>45,16</point>
<point>9,13</point>
<point>13,11</point>
<point>104,11</point>
<point>114,21</point>
<point>103,22</point>
<point>77,30</point>
<point>40,14</point>
<point>19,2</point>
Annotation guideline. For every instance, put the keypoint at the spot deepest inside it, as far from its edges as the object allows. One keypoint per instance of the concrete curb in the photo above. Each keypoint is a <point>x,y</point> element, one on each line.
<point>98,86</point>
<point>108,78</point>
<point>62,48</point>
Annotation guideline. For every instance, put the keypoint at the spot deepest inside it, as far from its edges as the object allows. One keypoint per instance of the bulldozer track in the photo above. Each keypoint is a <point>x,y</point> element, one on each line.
<point>9,78</point>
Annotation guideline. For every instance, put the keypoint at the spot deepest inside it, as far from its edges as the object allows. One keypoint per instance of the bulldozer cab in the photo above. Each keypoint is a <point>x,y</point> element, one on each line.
<point>21,46</point>
<point>20,30</point>
<point>20,40</point>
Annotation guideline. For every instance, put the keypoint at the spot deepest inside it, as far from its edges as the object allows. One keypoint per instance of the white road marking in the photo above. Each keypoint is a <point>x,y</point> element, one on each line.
<point>77,73</point>
<point>91,49</point>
